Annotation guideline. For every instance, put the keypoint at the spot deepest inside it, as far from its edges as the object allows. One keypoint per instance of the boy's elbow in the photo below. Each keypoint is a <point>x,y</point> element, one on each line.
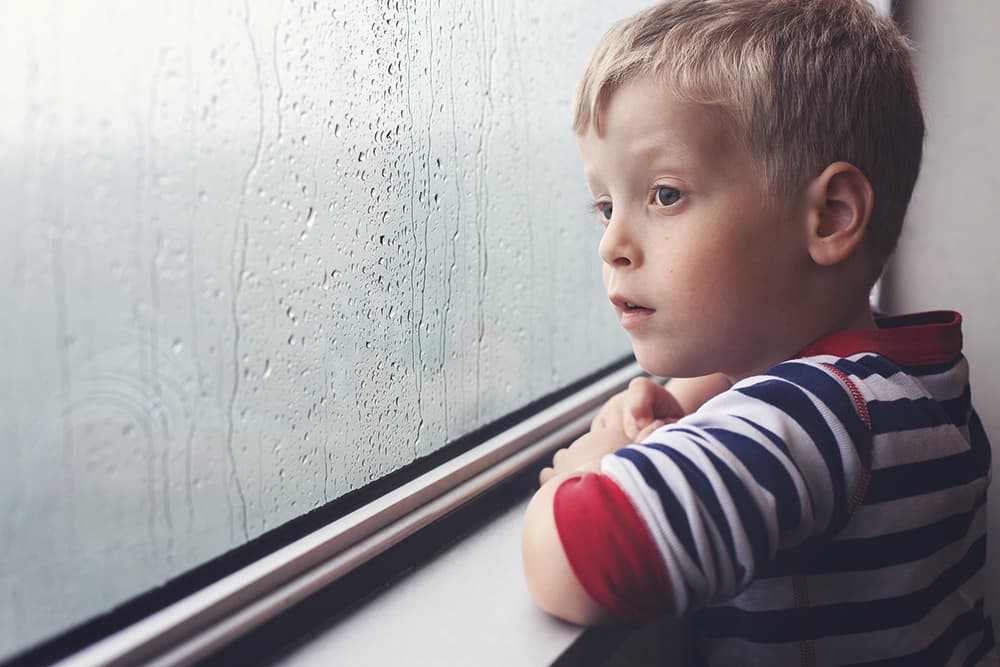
<point>547,572</point>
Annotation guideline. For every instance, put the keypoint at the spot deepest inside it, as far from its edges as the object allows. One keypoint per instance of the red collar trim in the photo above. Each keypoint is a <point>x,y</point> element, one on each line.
<point>920,339</point>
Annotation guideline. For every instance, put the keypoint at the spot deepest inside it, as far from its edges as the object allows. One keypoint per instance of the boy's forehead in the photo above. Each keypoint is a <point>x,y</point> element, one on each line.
<point>646,121</point>
<point>647,106</point>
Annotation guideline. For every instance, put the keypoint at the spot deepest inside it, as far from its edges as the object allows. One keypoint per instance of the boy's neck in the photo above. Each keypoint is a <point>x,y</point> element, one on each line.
<point>827,318</point>
<point>860,321</point>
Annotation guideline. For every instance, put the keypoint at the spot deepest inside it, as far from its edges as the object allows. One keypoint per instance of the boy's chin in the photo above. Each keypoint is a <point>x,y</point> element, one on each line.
<point>657,365</point>
<point>665,367</point>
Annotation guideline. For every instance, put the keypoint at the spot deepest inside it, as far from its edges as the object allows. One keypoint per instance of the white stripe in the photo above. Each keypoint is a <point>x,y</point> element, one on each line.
<point>948,385</point>
<point>675,556</point>
<point>858,647</point>
<point>699,520</point>
<point>912,512</point>
<point>804,526</point>
<point>646,503</point>
<point>926,444</point>
<point>880,583</point>
<point>675,481</point>
<point>878,388</point>
<point>865,646</point>
<point>800,445</point>
<point>940,386</point>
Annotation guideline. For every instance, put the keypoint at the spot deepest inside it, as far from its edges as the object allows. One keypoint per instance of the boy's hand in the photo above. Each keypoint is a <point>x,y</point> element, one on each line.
<point>585,453</point>
<point>633,411</point>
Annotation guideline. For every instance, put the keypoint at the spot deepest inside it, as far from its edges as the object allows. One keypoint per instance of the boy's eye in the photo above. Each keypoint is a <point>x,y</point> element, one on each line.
<point>666,195</point>
<point>604,208</point>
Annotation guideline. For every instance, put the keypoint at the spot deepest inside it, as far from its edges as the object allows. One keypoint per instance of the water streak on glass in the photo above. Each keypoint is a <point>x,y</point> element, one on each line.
<point>256,255</point>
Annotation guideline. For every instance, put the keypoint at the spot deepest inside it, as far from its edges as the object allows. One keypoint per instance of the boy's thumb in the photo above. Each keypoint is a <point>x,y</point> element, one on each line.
<point>652,426</point>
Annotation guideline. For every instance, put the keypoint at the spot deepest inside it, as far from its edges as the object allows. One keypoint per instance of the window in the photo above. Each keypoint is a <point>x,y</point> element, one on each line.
<point>260,255</point>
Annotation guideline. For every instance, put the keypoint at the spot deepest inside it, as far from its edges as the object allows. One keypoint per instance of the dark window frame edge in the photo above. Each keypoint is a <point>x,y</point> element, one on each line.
<point>200,623</point>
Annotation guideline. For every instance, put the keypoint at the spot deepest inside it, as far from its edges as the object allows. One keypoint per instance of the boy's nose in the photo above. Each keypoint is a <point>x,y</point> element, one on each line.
<point>618,247</point>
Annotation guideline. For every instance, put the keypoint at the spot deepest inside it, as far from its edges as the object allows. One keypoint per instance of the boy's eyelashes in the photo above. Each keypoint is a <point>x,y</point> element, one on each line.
<point>603,209</point>
<point>664,195</point>
<point>660,195</point>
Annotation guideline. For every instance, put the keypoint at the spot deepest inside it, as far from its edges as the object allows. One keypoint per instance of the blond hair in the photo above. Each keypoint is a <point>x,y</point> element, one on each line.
<point>805,83</point>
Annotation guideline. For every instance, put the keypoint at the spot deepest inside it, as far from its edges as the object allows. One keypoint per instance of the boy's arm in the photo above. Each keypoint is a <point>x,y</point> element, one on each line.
<point>690,516</point>
<point>550,579</point>
<point>692,393</point>
<point>553,580</point>
<point>549,576</point>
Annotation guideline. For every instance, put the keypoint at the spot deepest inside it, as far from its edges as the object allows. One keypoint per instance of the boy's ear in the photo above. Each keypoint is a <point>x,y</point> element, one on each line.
<point>840,207</point>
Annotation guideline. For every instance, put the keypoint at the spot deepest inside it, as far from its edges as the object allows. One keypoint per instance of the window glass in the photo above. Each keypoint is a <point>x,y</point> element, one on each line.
<point>256,255</point>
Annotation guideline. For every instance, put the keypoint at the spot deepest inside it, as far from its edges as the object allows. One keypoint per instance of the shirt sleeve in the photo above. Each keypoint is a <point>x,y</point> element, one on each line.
<point>691,515</point>
<point>609,548</point>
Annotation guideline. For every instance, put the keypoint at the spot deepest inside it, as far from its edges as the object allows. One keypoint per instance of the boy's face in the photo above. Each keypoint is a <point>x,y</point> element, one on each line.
<point>702,267</point>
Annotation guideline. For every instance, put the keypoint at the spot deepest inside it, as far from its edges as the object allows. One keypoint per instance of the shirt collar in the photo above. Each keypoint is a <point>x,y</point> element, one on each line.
<point>919,339</point>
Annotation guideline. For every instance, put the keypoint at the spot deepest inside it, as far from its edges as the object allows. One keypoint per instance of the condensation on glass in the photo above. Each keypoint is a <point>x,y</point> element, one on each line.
<point>256,255</point>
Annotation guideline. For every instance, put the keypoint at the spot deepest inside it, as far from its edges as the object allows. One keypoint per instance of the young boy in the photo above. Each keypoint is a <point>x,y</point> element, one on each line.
<point>751,162</point>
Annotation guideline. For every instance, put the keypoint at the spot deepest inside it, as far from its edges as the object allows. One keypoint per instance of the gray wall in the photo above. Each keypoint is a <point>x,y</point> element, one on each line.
<point>949,254</point>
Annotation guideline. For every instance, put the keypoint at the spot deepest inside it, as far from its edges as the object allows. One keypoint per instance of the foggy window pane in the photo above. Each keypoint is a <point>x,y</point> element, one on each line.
<point>256,255</point>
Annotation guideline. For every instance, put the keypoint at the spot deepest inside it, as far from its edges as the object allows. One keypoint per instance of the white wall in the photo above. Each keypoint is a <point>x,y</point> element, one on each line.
<point>947,257</point>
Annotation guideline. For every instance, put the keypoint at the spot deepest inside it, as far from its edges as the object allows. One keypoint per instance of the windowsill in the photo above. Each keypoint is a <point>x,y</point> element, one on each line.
<point>467,606</point>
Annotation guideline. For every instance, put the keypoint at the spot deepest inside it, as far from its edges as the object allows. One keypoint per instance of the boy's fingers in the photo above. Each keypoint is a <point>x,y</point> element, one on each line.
<point>545,475</point>
<point>558,456</point>
<point>639,404</point>
<point>649,400</point>
<point>629,426</point>
<point>607,420</point>
<point>610,415</point>
<point>664,403</point>
<point>653,425</point>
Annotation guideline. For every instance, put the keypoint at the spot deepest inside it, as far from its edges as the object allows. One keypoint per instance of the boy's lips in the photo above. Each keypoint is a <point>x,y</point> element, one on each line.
<point>630,313</point>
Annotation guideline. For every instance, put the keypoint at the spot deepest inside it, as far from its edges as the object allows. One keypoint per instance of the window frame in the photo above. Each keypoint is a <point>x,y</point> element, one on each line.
<point>218,614</point>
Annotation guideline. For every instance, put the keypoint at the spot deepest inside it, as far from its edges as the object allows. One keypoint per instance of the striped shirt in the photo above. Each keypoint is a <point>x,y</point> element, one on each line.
<point>831,511</point>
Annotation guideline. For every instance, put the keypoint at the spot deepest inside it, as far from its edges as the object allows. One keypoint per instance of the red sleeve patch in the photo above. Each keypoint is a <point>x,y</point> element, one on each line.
<point>610,549</point>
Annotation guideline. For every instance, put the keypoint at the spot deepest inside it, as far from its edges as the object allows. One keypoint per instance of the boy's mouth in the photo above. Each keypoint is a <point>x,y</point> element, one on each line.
<point>630,313</point>
<point>626,305</point>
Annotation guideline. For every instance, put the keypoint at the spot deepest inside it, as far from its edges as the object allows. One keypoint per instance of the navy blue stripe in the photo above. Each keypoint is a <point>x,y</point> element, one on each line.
<point>750,520</point>
<point>939,651</point>
<point>867,366</point>
<point>827,389</point>
<point>753,525</point>
<point>985,646</point>
<point>863,554</point>
<point>906,414</point>
<point>875,364</point>
<point>714,549</point>
<point>767,471</point>
<point>836,398</point>
<point>958,408</point>
<point>672,508</point>
<point>978,441</point>
<point>775,440</point>
<point>706,493</point>
<point>791,400</point>
<point>923,477</point>
<point>786,625</point>
<point>934,369</point>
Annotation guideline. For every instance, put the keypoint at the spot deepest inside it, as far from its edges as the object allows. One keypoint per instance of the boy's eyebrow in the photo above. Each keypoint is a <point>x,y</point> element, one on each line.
<point>663,148</point>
